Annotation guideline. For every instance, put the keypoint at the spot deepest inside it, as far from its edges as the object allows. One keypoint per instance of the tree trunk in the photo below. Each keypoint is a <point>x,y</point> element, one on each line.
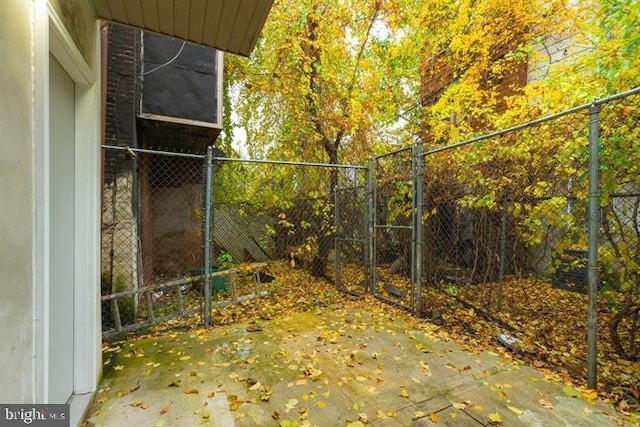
<point>325,239</point>
<point>630,310</point>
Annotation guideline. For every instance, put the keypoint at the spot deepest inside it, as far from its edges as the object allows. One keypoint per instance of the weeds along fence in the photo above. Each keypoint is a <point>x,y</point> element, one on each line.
<point>506,207</point>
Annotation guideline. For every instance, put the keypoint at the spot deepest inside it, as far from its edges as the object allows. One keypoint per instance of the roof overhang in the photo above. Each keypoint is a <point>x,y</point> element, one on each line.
<point>228,25</point>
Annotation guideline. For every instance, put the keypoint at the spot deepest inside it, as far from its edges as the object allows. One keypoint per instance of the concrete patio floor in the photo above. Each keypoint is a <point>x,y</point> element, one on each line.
<point>333,367</point>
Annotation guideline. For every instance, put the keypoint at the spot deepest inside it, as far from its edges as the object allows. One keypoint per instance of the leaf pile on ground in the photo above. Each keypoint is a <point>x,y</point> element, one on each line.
<point>292,291</point>
<point>550,325</point>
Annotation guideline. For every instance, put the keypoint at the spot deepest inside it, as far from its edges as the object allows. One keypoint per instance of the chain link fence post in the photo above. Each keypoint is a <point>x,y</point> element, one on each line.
<point>206,278</point>
<point>418,227</point>
<point>592,263</point>
<point>503,253</point>
<point>371,224</point>
<point>337,238</point>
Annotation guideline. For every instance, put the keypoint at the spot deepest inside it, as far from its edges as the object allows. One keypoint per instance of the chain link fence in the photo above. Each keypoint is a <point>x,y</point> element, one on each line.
<point>508,207</point>
<point>506,238</point>
<point>152,237</point>
<point>496,224</point>
<point>352,240</point>
<point>310,216</point>
<point>518,228</point>
<point>157,248</point>
<point>619,249</point>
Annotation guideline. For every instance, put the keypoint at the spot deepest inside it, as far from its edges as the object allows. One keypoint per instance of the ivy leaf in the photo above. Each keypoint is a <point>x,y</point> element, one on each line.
<point>570,391</point>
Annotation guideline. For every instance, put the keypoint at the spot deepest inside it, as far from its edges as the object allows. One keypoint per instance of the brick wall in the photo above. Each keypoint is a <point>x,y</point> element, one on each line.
<point>119,216</point>
<point>123,44</point>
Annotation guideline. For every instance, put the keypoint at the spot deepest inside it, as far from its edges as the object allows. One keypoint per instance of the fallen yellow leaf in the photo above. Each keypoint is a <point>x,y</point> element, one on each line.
<point>495,419</point>
<point>303,414</point>
<point>291,403</point>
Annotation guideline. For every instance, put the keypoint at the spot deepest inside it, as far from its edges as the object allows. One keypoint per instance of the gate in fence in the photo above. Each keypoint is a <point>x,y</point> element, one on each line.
<point>312,216</point>
<point>394,211</point>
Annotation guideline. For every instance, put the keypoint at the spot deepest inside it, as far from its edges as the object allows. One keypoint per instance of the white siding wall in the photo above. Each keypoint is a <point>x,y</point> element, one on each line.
<point>25,43</point>
<point>16,202</point>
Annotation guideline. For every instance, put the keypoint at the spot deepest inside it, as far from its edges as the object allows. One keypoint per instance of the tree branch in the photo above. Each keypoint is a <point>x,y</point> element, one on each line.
<point>356,69</point>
